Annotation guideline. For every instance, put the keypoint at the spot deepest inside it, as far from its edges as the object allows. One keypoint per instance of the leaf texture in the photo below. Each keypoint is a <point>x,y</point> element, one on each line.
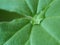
<point>54,9</point>
<point>16,27</point>
<point>18,6</point>
<point>22,38</point>
<point>52,25</point>
<point>40,36</point>
<point>7,29</point>
<point>42,4</point>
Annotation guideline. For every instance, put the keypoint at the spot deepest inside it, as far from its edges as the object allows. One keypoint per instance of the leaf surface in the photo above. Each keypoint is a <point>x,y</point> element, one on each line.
<point>28,42</point>
<point>42,4</point>
<point>9,16</point>
<point>40,36</point>
<point>17,22</point>
<point>18,6</point>
<point>32,5</point>
<point>22,38</point>
<point>52,26</point>
<point>7,29</point>
<point>54,9</point>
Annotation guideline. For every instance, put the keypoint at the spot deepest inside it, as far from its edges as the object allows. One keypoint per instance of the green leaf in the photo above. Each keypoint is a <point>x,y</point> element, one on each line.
<point>40,36</point>
<point>28,42</point>
<point>42,4</point>
<point>29,22</point>
<point>54,9</point>
<point>7,29</point>
<point>8,16</point>
<point>22,38</point>
<point>19,6</point>
<point>32,5</point>
<point>52,26</point>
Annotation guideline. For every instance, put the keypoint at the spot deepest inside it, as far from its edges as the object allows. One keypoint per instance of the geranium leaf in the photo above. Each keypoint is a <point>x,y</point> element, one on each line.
<point>18,6</point>
<point>40,36</point>
<point>42,4</point>
<point>8,16</point>
<point>32,5</point>
<point>52,26</point>
<point>28,42</point>
<point>29,22</point>
<point>54,9</point>
<point>7,29</point>
<point>20,37</point>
